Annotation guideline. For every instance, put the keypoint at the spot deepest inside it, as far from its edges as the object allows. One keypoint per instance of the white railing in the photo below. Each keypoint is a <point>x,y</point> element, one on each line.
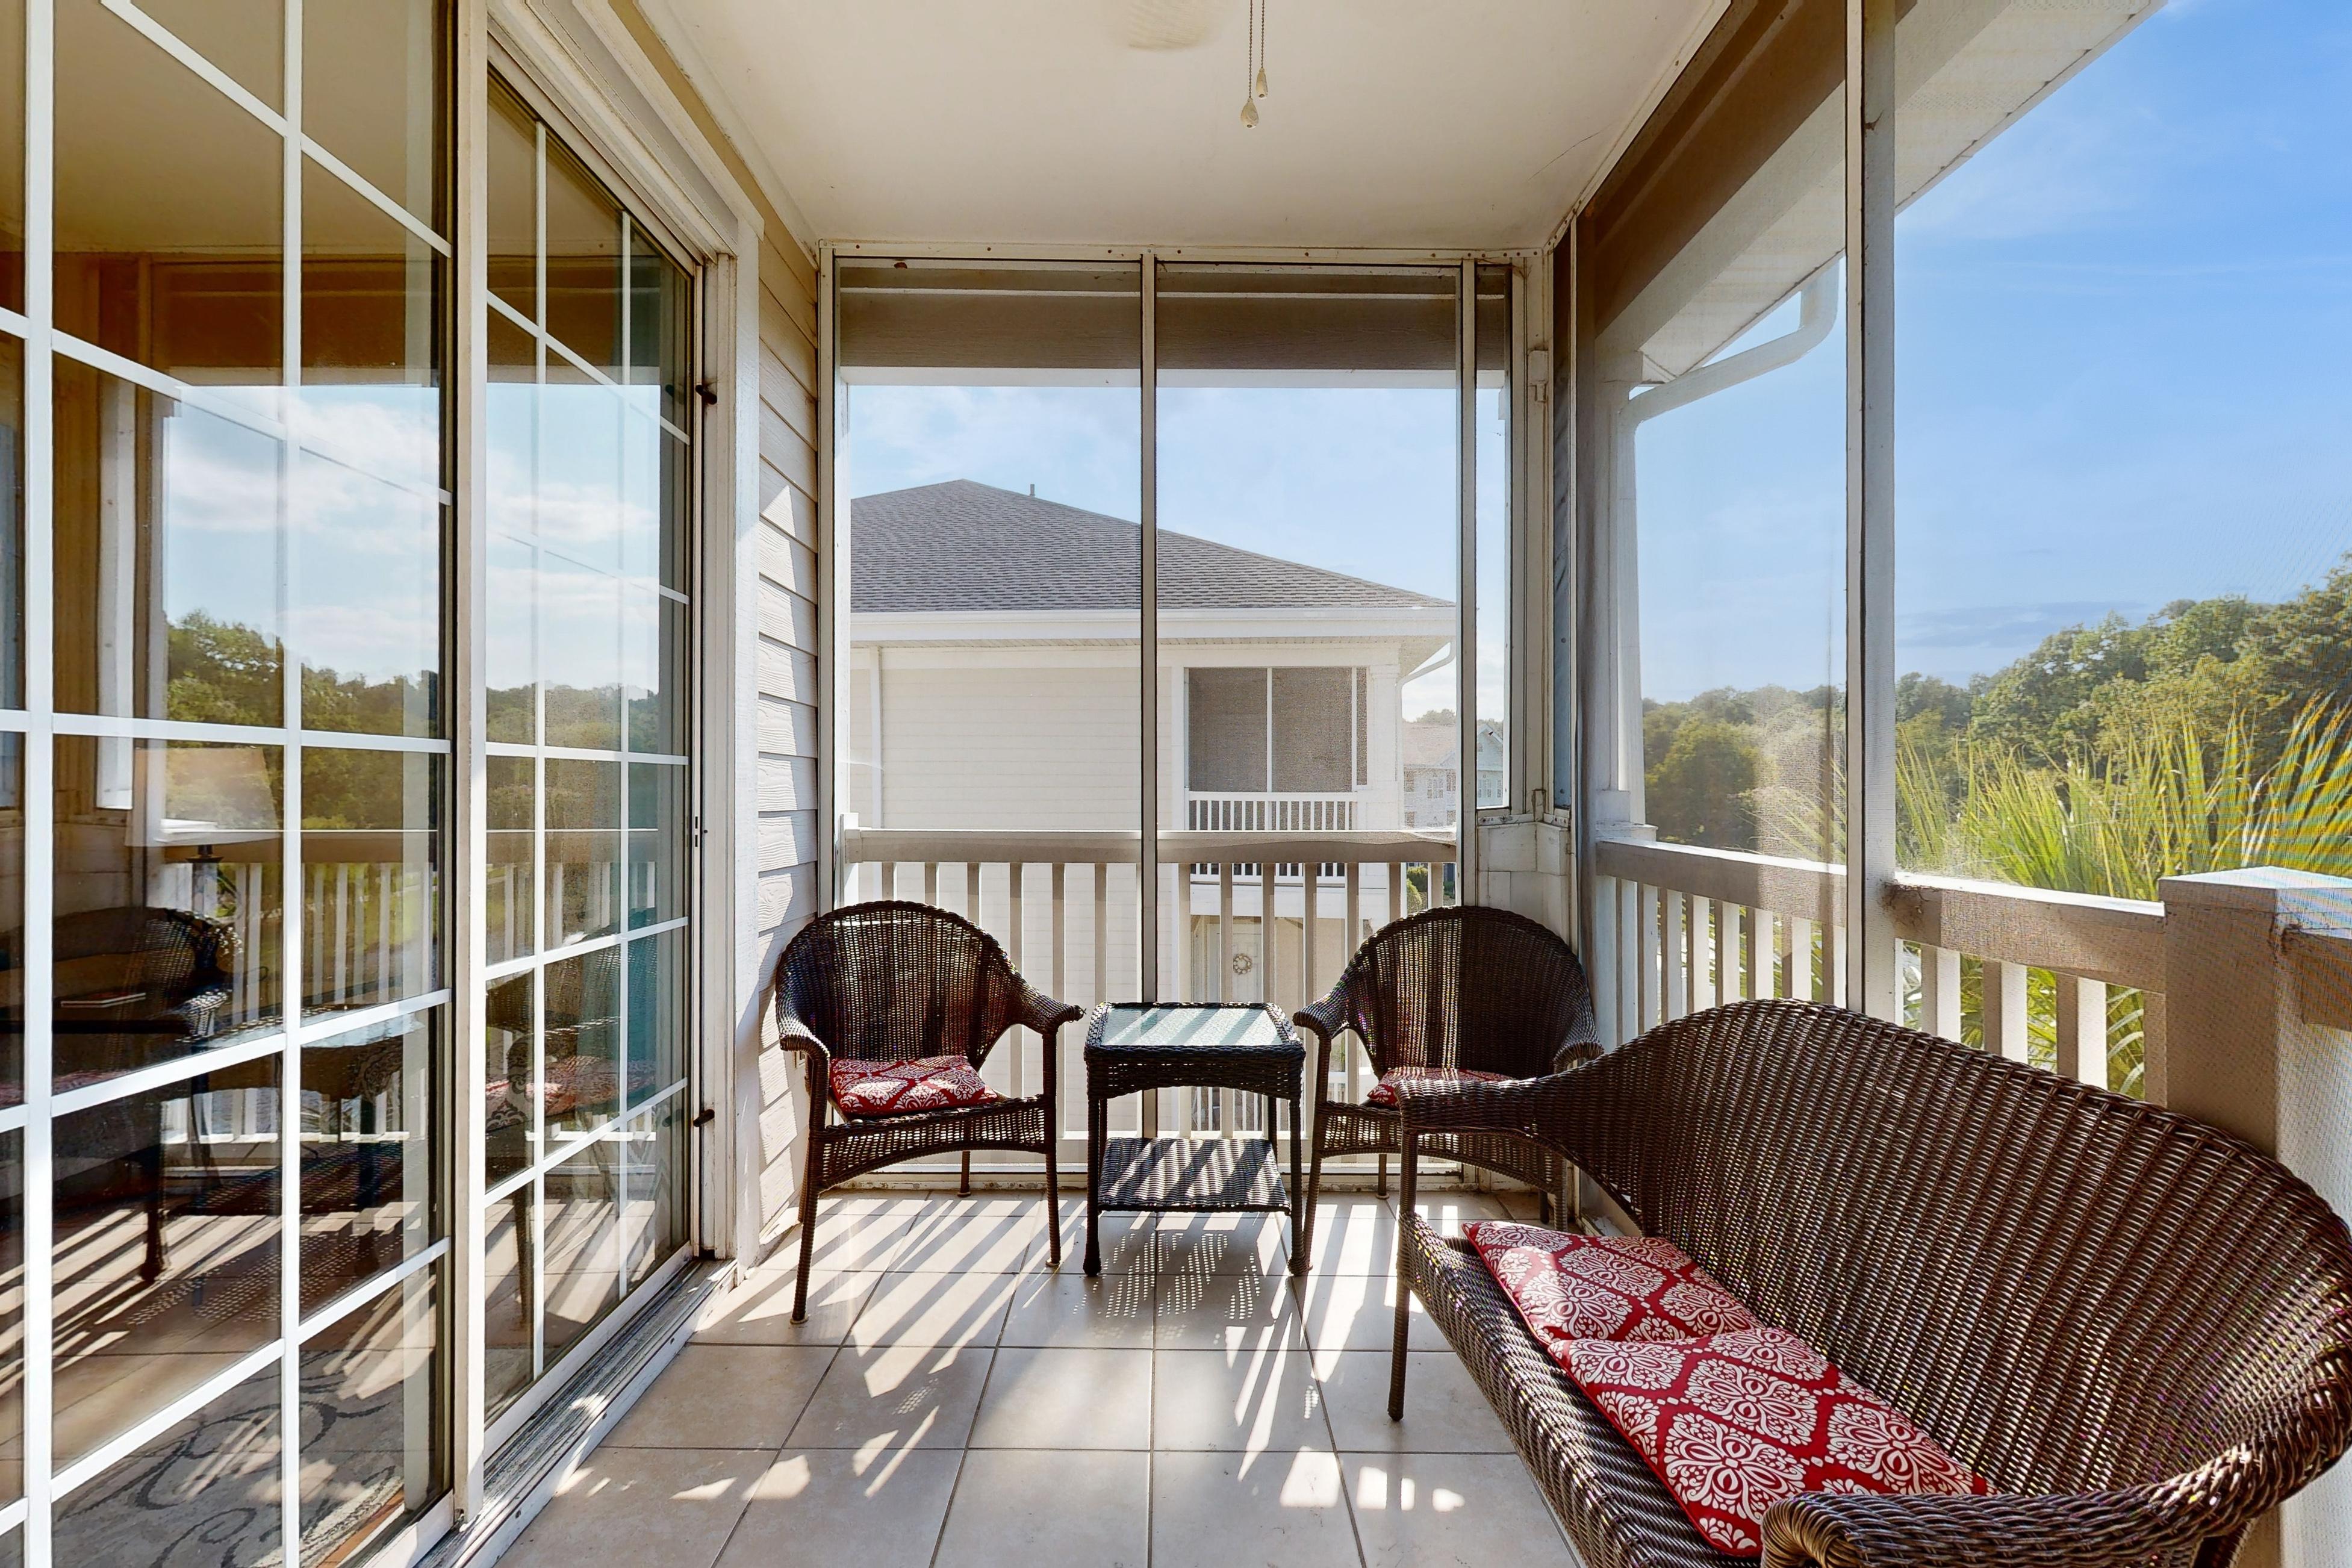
<point>1253,813</point>
<point>1063,906</point>
<point>2073,980</point>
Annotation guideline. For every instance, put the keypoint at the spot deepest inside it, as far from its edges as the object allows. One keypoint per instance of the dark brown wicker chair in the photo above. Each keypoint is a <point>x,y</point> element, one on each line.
<point>2138,1328</point>
<point>1467,987</point>
<point>893,982</point>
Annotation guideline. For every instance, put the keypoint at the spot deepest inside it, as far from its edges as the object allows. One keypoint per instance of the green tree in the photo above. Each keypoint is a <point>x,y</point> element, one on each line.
<point>1701,791</point>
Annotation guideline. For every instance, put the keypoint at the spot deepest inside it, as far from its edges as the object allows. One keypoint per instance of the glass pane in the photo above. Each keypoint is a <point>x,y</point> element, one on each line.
<point>583,841</point>
<point>216,1476</point>
<point>370,905</point>
<point>371,94</point>
<point>167,867</point>
<point>371,1406</point>
<point>168,212</point>
<point>653,1224</point>
<point>647,523</point>
<point>12,522</point>
<point>368,1191</point>
<point>1498,372</point>
<point>511,1127</point>
<point>993,446</point>
<point>1736,500</point>
<point>245,39</point>
<point>511,663</point>
<point>12,921</point>
<point>1310,514</point>
<point>580,647</point>
<point>659,296</point>
<point>584,263</point>
<point>167,555</point>
<point>580,1273</point>
<point>583,1045</point>
<point>367,611</point>
<point>506,1305</point>
<point>652,673</point>
<point>507,890</point>
<point>514,202</point>
<point>167,1246</point>
<point>11,156</point>
<point>656,1013</point>
<point>12,1315</point>
<point>581,441</point>
<point>371,338</point>
<point>657,829</point>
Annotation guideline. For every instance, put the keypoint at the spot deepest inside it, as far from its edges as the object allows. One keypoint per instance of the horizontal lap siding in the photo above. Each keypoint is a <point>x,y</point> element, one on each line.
<point>787,826</point>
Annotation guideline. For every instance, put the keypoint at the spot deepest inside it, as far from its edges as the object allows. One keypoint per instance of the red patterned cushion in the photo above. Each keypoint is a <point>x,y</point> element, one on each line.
<point>1569,1287</point>
<point>1384,1092</point>
<point>902,1088</point>
<point>1735,1423</point>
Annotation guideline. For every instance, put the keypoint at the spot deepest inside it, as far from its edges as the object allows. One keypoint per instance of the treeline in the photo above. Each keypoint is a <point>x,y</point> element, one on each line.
<point>2211,720</point>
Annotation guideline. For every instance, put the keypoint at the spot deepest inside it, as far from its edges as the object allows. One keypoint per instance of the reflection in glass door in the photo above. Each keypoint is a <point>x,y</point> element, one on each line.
<point>223,763</point>
<point>586,614</point>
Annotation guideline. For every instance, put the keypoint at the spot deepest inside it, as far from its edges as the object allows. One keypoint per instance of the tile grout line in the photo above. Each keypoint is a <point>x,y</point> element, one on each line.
<point>1338,1461</point>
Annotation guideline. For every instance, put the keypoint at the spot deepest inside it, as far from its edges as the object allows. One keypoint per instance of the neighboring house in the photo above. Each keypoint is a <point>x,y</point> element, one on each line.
<point>1433,770</point>
<point>994,676</point>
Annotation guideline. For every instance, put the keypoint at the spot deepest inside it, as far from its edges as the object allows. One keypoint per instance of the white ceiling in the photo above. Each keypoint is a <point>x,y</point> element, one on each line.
<point>1442,123</point>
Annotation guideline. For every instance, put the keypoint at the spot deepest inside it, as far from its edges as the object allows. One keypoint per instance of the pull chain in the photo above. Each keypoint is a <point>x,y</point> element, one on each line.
<point>1250,89</point>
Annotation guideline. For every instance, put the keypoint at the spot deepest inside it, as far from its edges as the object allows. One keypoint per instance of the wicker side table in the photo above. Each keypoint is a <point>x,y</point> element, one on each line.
<point>1132,1049</point>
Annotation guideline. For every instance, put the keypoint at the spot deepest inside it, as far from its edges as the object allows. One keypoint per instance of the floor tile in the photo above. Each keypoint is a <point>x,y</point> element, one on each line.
<point>724,1396</point>
<point>1353,1236</point>
<point>1068,1308</point>
<point>1451,1510</point>
<point>1358,1312</point>
<point>1207,1244</point>
<point>893,1397</point>
<point>1225,1311</point>
<point>1444,1410</point>
<point>821,1505</point>
<point>996,1234</point>
<point>1020,1508</point>
<point>945,1311</point>
<point>1050,1398</point>
<point>1230,1510</point>
<point>760,1312</point>
<point>855,1241</point>
<point>1263,1401</point>
<point>1450,1211</point>
<point>626,1506</point>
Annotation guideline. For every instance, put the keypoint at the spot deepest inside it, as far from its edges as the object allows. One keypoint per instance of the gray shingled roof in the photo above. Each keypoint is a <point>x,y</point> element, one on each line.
<point>962,545</point>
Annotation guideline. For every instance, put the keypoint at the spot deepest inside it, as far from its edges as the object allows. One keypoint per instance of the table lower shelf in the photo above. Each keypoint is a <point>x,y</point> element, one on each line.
<point>1153,1174</point>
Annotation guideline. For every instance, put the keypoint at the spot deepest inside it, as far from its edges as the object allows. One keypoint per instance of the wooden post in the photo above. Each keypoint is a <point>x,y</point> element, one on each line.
<point>2261,1042</point>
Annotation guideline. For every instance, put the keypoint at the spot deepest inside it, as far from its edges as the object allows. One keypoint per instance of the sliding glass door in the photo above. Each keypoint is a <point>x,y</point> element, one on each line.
<point>590,408</point>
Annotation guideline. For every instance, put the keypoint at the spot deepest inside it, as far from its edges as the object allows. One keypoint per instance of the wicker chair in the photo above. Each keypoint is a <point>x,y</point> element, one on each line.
<point>894,981</point>
<point>1468,987</point>
<point>2138,1328</point>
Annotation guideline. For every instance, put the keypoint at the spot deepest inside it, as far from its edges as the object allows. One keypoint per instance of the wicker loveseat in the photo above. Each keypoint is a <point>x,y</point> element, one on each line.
<point>2136,1326</point>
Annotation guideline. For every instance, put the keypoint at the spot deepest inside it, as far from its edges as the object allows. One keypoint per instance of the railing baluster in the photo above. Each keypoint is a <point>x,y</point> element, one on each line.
<point>931,883</point>
<point>1224,930</point>
<point>2005,1010</point>
<point>1058,931</point>
<point>1265,943</point>
<point>1731,984</point>
<point>1019,1036</point>
<point>1310,881</point>
<point>1797,952</point>
<point>1675,945</point>
<point>1102,934</point>
<point>1355,936</point>
<point>2082,1029</point>
<point>1707,955</point>
<point>1939,992</point>
<point>2156,1060</point>
<point>1396,892</point>
<point>1833,957</point>
<point>1649,999</point>
<point>889,879</point>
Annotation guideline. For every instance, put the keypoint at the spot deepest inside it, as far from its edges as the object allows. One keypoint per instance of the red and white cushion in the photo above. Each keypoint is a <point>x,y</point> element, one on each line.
<point>1735,1423</point>
<point>903,1089</point>
<point>1384,1092</point>
<point>1569,1287</point>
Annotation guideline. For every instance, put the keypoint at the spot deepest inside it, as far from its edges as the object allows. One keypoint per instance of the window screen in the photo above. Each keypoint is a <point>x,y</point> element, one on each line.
<point>1227,725</point>
<point>1312,729</point>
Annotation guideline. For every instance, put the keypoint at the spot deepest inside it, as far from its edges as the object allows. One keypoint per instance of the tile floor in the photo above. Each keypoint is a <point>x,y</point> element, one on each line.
<point>951,1403</point>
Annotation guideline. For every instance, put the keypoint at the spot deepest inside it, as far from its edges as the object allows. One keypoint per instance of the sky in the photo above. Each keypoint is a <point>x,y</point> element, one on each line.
<point>2122,330</point>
